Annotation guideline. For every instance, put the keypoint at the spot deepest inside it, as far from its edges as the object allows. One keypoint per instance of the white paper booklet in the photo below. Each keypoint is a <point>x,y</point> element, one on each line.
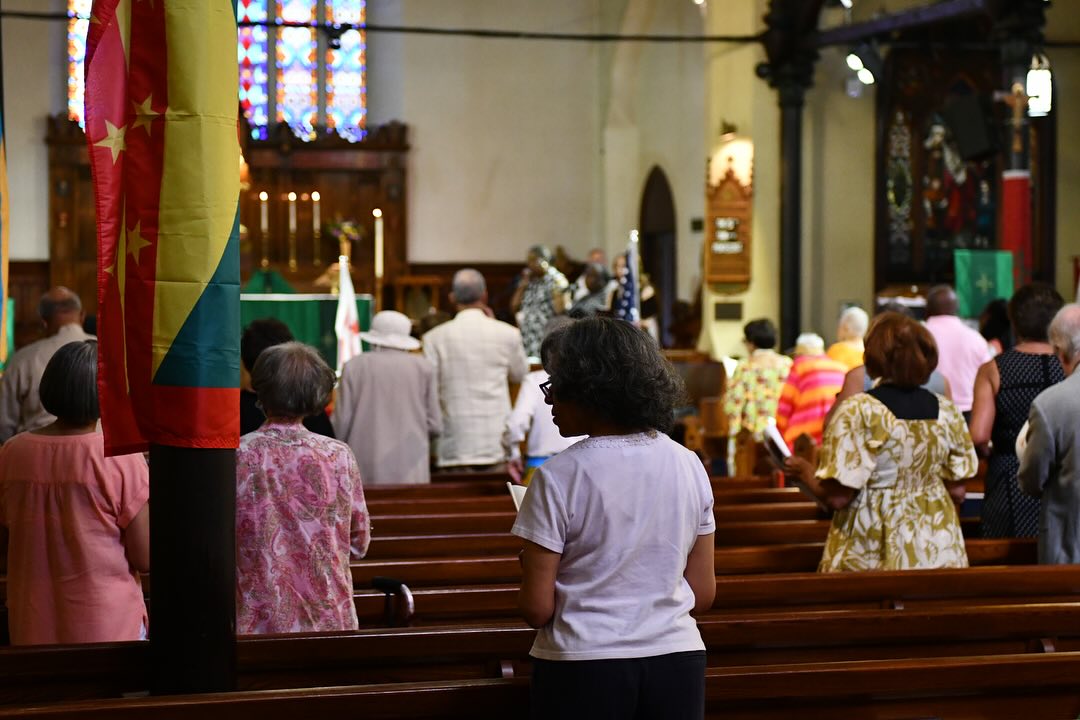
<point>517,494</point>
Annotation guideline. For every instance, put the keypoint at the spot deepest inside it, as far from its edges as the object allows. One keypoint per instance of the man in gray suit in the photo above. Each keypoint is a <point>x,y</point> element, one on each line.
<point>1050,466</point>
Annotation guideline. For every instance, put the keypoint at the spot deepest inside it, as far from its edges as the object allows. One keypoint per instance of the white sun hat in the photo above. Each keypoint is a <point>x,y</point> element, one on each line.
<point>391,329</point>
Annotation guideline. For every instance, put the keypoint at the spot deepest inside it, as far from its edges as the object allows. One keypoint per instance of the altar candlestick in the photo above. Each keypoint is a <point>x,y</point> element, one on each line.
<point>292,231</point>
<point>316,228</point>
<point>378,243</point>
<point>264,227</point>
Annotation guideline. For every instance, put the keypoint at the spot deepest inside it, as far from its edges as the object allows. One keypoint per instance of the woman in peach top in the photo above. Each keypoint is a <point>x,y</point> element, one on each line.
<point>300,511</point>
<point>76,524</point>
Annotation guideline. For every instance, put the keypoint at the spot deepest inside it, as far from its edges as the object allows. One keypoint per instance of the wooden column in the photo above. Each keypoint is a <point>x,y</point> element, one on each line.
<point>790,69</point>
<point>193,570</point>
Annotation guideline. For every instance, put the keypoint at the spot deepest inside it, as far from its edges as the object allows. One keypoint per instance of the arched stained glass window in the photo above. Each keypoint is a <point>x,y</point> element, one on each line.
<point>304,78</point>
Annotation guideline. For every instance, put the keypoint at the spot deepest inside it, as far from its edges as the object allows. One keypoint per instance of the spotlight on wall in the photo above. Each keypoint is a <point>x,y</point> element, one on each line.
<point>865,61</point>
<point>1040,86</point>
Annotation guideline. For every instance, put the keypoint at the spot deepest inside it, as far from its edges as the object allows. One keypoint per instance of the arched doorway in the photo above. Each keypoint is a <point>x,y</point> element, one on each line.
<point>657,230</point>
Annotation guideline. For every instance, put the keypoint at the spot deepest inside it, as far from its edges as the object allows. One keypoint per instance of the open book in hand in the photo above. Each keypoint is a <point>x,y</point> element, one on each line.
<point>517,494</point>
<point>778,453</point>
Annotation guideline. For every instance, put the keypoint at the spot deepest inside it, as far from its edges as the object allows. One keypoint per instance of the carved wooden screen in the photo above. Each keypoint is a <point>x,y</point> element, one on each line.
<point>729,210</point>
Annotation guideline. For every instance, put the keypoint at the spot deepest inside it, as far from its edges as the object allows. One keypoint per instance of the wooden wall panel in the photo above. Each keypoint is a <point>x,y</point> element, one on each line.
<point>27,282</point>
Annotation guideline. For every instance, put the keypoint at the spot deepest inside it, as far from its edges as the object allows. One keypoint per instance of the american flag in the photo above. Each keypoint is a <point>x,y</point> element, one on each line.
<point>627,305</point>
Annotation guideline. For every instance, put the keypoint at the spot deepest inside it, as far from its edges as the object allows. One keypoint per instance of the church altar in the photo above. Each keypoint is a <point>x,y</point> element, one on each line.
<point>310,316</point>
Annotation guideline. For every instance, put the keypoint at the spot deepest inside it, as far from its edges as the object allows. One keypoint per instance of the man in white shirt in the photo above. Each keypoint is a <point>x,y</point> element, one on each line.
<point>961,350</point>
<point>475,357</point>
<point>20,407</point>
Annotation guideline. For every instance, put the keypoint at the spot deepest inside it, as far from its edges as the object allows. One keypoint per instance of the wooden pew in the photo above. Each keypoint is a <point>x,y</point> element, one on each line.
<point>1006,686</point>
<point>411,654</point>
<point>450,505</point>
<point>781,558</point>
<point>897,589</point>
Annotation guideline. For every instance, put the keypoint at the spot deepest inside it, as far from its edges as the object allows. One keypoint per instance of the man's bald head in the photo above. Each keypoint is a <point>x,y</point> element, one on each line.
<point>941,300</point>
<point>58,307</point>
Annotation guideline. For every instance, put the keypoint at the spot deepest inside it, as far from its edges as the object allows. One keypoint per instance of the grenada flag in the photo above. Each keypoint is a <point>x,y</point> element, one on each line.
<point>161,89</point>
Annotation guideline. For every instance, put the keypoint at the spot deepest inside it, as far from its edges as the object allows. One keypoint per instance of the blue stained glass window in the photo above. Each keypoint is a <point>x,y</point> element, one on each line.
<point>346,68</point>
<point>297,82</point>
<point>252,52</point>
<point>279,69</point>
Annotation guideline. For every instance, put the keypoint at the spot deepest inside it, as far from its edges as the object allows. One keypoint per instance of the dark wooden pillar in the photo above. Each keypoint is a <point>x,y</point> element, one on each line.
<point>792,53</point>
<point>193,570</point>
<point>792,94</point>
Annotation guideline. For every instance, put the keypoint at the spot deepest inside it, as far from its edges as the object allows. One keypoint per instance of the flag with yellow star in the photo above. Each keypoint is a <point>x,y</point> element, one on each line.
<point>164,154</point>
<point>981,276</point>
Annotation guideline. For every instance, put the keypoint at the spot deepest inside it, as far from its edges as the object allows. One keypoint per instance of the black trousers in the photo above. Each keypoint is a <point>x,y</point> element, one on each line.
<point>664,687</point>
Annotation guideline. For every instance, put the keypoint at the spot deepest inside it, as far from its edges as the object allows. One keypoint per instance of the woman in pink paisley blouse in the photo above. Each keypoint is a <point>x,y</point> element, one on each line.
<point>300,511</point>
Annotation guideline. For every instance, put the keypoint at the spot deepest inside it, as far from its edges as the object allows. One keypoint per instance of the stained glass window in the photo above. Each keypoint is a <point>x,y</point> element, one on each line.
<point>296,75</point>
<point>252,50</point>
<point>79,12</point>
<point>297,81</point>
<point>346,66</point>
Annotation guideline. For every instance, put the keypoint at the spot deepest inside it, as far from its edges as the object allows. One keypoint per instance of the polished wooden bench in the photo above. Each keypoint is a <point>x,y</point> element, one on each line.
<point>778,558</point>
<point>439,653</point>
<point>450,505</point>
<point>895,589</point>
<point>992,687</point>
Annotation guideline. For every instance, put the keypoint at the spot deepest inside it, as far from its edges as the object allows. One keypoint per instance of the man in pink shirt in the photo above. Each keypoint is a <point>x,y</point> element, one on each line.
<point>961,350</point>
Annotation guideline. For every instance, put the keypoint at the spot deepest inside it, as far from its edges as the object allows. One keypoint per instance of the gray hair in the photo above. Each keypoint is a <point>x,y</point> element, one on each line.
<point>59,301</point>
<point>809,344</point>
<point>468,286</point>
<point>292,381</point>
<point>853,324</point>
<point>1065,331</point>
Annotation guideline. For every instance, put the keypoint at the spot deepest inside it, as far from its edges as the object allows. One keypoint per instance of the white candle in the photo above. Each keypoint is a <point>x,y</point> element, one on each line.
<point>378,243</point>
<point>264,212</point>
<point>292,212</point>
<point>316,225</point>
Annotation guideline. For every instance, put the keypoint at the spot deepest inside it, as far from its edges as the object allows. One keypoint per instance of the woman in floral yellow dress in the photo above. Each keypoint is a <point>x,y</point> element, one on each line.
<point>893,461</point>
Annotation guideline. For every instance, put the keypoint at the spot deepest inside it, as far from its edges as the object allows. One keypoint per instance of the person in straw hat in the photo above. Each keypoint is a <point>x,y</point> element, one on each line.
<point>387,406</point>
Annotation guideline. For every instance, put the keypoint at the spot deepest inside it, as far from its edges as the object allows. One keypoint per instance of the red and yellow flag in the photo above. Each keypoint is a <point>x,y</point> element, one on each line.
<point>161,107</point>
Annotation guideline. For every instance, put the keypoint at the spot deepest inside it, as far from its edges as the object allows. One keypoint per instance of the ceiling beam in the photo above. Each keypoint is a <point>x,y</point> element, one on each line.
<point>907,19</point>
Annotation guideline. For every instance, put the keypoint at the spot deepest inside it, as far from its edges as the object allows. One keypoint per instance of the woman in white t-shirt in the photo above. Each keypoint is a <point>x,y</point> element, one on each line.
<point>619,536</point>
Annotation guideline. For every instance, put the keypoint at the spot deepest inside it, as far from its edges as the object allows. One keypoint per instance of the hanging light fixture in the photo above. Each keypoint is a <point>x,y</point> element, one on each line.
<point>865,61</point>
<point>1040,86</point>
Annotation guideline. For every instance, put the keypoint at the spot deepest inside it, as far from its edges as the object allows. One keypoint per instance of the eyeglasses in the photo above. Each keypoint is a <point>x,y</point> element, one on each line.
<point>545,387</point>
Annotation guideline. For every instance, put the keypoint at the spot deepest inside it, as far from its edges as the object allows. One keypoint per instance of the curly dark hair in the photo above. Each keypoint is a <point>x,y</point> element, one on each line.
<point>614,369</point>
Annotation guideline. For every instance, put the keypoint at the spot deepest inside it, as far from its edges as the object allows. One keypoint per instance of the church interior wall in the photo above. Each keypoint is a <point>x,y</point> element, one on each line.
<point>735,95</point>
<point>514,144</point>
<point>34,87</point>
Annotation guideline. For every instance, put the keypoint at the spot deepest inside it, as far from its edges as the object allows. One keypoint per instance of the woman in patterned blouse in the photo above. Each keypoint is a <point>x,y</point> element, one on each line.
<point>300,511</point>
<point>890,460</point>
<point>750,400</point>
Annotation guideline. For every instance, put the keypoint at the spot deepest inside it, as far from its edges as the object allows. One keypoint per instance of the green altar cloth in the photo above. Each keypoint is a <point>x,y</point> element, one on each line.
<point>309,316</point>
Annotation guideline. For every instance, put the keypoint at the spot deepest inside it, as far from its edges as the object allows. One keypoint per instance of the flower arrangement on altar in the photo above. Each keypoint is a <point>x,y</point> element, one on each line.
<point>347,232</point>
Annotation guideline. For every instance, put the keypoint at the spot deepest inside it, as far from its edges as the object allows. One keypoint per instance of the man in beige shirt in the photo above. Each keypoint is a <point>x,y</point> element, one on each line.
<point>475,357</point>
<point>20,407</point>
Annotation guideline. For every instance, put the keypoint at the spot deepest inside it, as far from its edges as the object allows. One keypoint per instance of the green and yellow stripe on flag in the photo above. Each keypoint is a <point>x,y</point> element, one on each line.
<point>5,205</point>
<point>161,131</point>
<point>981,277</point>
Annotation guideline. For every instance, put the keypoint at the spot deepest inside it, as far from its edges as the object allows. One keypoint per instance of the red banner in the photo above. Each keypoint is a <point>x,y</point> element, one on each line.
<point>1016,222</point>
